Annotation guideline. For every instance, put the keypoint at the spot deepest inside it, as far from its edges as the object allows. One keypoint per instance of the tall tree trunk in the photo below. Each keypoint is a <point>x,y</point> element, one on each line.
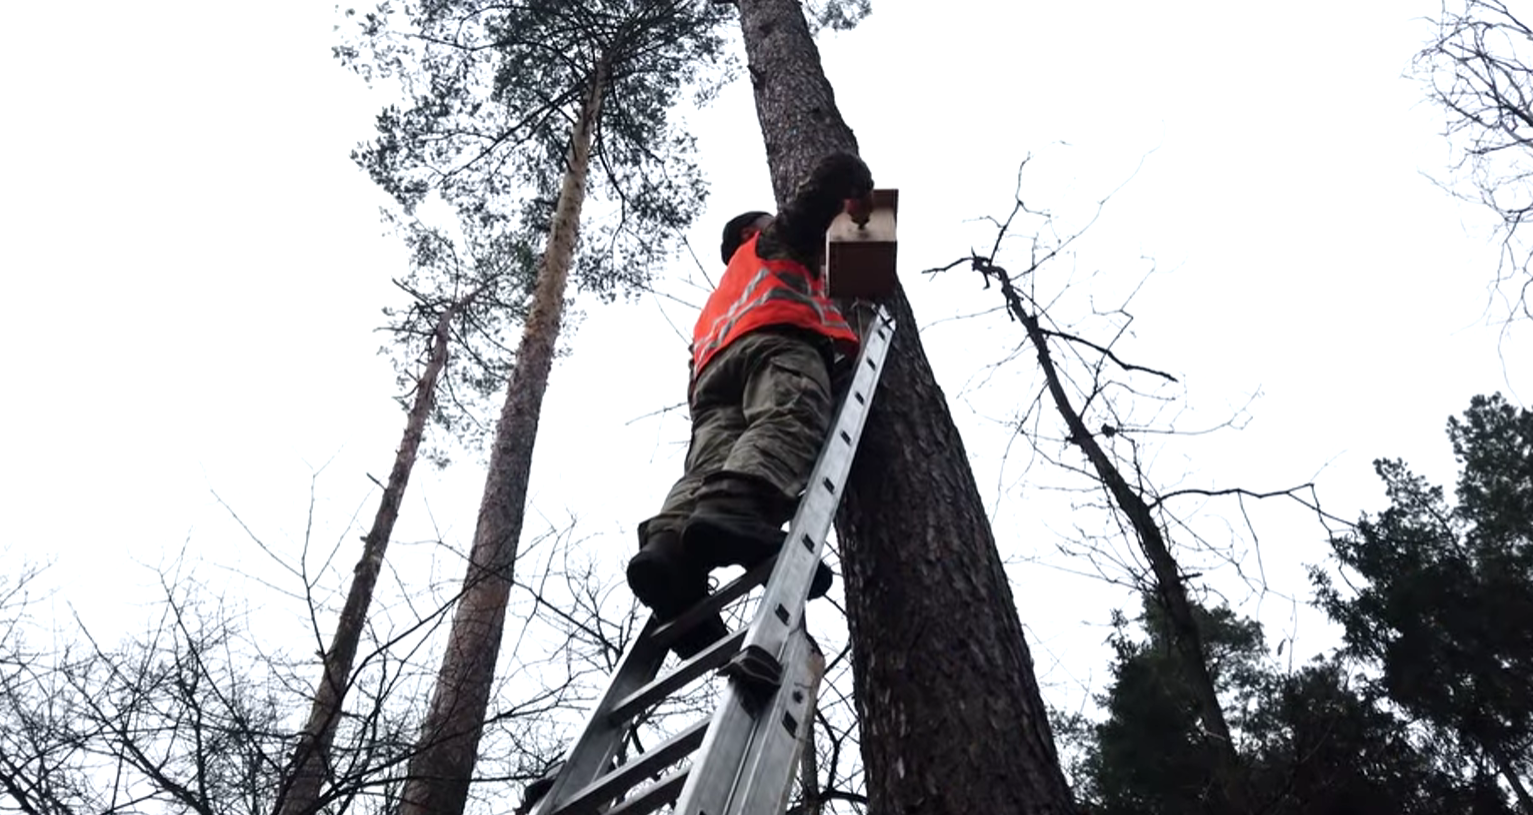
<point>952,721</point>
<point>448,745</point>
<point>311,766</point>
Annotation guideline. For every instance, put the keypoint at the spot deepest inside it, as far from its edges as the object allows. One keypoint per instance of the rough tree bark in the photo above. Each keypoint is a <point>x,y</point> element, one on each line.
<point>952,720</point>
<point>311,766</point>
<point>448,744</point>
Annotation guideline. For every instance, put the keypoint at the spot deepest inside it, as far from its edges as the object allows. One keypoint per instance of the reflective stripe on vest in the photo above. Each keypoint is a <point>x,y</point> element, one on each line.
<point>750,300</point>
<point>737,308</point>
<point>778,293</point>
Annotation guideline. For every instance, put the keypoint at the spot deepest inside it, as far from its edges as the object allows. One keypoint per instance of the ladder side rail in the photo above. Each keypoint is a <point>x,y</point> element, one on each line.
<point>787,590</point>
<point>593,750</point>
<point>649,690</point>
<point>654,635</point>
<point>714,656</point>
<point>771,758</point>
<point>601,792</point>
<point>732,763</point>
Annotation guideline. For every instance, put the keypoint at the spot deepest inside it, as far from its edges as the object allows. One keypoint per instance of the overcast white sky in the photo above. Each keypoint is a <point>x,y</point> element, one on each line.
<point>194,271</point>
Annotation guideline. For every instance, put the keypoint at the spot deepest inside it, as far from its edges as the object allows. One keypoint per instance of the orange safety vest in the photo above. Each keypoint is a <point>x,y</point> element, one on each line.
<point>755,293</point>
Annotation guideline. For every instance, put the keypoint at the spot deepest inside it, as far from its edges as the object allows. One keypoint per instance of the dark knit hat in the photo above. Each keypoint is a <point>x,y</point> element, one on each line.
<point>732,232</point>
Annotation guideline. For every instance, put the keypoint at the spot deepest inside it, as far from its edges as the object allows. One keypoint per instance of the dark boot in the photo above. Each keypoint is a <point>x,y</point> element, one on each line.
<point>733,527</point>
<point>666,580</point>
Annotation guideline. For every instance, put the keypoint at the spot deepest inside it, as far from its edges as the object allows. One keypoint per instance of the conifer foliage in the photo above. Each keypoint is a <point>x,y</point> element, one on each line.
<point>515,112</point>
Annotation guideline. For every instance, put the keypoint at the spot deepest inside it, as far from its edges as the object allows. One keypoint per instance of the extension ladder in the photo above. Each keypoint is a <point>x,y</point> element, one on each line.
<point>746,751</point>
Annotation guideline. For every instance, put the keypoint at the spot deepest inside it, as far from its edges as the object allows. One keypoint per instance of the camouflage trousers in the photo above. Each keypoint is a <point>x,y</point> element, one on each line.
<point>760,411</point>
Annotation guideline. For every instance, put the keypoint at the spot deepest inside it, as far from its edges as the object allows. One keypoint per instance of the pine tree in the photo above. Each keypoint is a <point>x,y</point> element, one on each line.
<point>1316,741</point>
<point>1437,586</point>
<point>952,720</point>
<point>507,100</point>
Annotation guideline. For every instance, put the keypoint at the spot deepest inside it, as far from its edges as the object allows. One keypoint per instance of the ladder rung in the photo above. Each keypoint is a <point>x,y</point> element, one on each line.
<point>640,700</point>
<point>715,602</point>
<point>624,778</point>
<point>654,796</point>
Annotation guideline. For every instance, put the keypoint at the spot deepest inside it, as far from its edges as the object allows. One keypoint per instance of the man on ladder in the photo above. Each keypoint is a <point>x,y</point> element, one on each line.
<point>763,353</point>
<point>765,449</point>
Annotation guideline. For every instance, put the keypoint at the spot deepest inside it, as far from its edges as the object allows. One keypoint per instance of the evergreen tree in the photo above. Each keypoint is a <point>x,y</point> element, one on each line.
<point>1443,591</point>
<point>517,110</point>
<point>951,716</point>
<point>1315,742</point>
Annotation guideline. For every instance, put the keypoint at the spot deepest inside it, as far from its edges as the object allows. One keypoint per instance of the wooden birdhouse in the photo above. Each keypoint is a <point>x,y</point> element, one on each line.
<point>859,258</point>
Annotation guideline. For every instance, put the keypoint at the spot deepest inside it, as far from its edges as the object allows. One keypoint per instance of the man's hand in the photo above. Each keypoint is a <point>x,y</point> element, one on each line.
<point>841,174</point>
<point>840,182</point>
<point>860,209</point>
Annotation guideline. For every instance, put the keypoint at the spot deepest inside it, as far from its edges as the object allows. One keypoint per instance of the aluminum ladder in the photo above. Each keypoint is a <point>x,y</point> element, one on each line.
<point>743,756</point>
